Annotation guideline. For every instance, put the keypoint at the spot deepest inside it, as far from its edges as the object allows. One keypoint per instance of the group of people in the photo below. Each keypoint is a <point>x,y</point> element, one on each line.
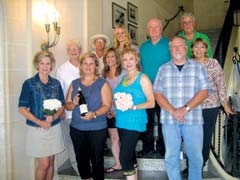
<point>127,89</point>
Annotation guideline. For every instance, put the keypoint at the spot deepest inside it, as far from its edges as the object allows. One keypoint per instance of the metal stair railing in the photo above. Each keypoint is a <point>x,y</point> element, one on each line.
<point>225,34</point>
<point>226,146</point>
<point>180,9</point>
<point>226,139</point>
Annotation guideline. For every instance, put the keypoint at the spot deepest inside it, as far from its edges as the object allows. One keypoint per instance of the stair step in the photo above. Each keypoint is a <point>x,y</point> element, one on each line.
<point>146,164</point>
<point>148,169</point>
<point>142,175</point>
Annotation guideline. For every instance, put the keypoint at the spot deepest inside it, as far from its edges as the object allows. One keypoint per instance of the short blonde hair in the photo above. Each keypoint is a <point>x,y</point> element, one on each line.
<point>131,51</point>
<point>85,56</point>
<point>43,54</point>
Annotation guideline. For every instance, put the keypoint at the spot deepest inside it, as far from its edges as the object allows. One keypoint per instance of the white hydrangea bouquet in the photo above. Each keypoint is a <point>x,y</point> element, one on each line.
<point>50,106</point>
<point>123,101</point>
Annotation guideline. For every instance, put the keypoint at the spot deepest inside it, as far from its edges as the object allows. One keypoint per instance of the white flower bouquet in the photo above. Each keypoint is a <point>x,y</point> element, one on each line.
<point>123,101</point>
<point>50,106</point>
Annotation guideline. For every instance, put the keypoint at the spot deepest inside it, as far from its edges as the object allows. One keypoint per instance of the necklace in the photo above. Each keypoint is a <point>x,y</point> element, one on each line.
<point>128,79</point>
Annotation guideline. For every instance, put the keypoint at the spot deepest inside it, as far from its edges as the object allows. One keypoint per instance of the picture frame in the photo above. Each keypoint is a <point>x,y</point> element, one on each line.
<point>132,13</point>
<point>118,15</point>
<point>132,30</point>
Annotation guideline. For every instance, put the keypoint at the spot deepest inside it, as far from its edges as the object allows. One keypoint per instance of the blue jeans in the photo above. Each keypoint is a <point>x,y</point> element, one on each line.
<point>192,136</point>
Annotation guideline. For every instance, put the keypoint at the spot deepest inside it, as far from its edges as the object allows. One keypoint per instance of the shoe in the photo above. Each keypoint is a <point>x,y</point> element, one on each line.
<point>142,153</point>
<point>111,169</point>
<point>160,154</point>
<point>185,172</point>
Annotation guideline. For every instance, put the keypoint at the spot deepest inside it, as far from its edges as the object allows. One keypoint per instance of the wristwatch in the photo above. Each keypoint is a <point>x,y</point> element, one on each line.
<point>187,108</point>
<point>95,115</point>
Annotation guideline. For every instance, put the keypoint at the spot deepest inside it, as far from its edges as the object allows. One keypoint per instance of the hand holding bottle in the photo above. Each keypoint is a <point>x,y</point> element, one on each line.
<point>110,114</point>
<point>90,115</point>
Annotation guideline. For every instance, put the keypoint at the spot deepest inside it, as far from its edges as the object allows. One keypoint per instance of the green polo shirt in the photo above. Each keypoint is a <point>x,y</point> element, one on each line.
<point>197,35</point>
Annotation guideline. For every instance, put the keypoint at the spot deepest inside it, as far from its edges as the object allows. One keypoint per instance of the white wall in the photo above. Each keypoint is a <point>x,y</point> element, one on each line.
<point>20,37</point>
<point>3,135</point>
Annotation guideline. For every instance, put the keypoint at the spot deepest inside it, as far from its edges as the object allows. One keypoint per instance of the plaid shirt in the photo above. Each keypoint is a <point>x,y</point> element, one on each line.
<point>179,87</point>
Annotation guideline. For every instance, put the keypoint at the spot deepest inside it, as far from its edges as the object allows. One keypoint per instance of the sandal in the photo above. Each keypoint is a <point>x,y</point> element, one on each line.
<point>112,169</point>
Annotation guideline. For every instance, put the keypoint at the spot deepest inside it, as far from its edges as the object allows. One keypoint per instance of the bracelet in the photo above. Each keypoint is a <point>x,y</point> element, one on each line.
<point>134,107</point>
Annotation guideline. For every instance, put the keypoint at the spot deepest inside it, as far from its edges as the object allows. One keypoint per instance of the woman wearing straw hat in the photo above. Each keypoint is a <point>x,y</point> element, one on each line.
<point>99,42</point>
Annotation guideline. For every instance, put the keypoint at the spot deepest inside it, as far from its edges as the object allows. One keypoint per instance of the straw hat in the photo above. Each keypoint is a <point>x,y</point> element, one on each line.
<point>99,36</point>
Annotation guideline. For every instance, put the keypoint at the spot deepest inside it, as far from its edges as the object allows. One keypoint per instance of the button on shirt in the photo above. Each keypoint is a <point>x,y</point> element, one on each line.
<point>179,87</point>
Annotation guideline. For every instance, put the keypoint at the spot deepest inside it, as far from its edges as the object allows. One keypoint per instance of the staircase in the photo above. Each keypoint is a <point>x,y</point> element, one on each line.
<point>213,35</point>
<point>150,168</point>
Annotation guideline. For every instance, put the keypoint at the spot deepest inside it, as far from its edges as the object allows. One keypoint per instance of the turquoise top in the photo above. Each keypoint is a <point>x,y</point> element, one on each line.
<point>153,56</point>
<point>132,119</point>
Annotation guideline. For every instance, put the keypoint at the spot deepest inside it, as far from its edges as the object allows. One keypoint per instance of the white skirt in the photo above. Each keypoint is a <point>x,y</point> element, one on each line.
<point>44,142</point>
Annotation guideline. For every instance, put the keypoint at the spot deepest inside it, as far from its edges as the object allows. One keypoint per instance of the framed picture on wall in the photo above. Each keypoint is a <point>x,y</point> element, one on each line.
<point>132,13</point>
<point>133,33</point>
<point>118,15</point>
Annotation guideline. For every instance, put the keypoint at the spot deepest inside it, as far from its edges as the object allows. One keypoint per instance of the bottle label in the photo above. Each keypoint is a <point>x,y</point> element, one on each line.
<point>83,109</point>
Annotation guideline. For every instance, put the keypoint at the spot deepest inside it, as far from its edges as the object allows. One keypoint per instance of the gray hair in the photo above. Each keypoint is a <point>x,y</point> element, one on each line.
<point>74,42</point>
<point>188,15</point>
<point>178,37</point>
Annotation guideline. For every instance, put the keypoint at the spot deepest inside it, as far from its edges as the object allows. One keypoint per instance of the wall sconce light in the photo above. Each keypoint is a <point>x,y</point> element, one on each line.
<point>51,16</point>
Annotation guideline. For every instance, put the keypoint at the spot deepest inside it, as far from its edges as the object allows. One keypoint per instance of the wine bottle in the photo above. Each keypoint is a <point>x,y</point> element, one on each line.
<point>82,103</point>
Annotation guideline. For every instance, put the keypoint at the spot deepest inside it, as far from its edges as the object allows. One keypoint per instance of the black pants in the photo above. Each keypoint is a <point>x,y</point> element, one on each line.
<point>128,140</point>
<point>210,117</point>
<point>148,136</point>
<point>89,150</point>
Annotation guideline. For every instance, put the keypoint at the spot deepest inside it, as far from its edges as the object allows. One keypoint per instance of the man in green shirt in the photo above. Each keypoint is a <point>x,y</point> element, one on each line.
<point>190,34</point>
